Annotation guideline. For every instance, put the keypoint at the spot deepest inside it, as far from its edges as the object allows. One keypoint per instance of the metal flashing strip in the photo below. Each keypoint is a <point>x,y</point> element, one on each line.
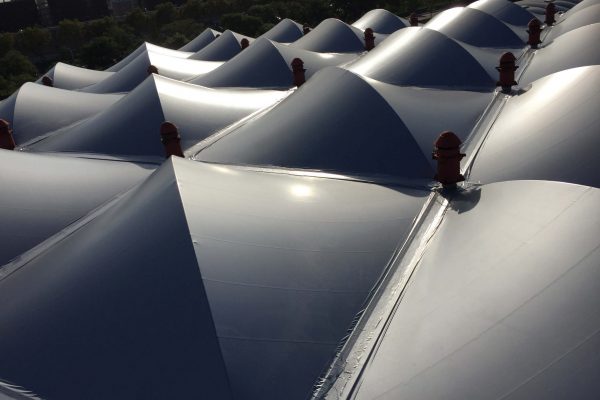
<point>477,138</point>
<point>344,376</point>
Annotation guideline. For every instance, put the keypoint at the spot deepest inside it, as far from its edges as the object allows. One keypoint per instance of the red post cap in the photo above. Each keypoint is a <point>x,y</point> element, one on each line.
<point>447,140</point>
<point>244,43</point>
<point>507,59</point>
<point>297,64</point>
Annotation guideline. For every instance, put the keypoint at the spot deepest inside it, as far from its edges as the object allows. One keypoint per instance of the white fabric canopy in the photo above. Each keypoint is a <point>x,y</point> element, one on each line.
<point>332,36</point>
<point>266,64</point>
<point>503,303</point>
<point>369,128</point>
<point>576,48</point>
<point>381,21</point>
<point>550,132</point>
<point>41,194</point>
<point>222,48</point>
<point>476,28</point>
<point>130,126</point>
<point>237,273</point>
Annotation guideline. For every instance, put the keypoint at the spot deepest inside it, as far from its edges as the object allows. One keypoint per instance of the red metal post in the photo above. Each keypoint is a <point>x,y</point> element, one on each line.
<point>550,13</point>
<point>7,141</point>
<point>298,72</point>
<point>506,71</point>
<point>369,39</point>
<point>169,136</point>
<point>448,155</point>
<point>534,30</point>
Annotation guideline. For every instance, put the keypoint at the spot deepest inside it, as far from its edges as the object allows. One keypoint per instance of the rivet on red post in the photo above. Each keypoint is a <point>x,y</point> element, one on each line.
<point>448,156</point>
<point>169,136</point>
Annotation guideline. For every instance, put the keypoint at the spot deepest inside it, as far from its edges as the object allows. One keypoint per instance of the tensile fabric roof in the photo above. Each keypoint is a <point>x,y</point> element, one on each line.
<point>209,322</point>
<point>35,110</point>
<point>201,41</point>
<point>285,31</point>
<point>560,146</point>
<point>130,126</point>
<point>304,249</point>
<point>381,21</point>
<point>475,27</point>
<point>149,47</point>
<point>504,10</point>
<point>507,312</point>
<point>560,54</point>
<point>362,133</point>
<point>266,64</point>
<point>222,48</point>
<point>66,76</point>
<point>130,76</point>
<point>332,36</point>
<point>44,193</point>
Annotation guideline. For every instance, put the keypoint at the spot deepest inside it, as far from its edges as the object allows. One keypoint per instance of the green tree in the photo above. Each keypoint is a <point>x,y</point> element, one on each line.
<point>100,27</point>
<point>33,40</point>
<point>70,35</point>
<point>192,9</point>
<point>15,63</point>
<point>6,43</point>
<point>215,8</point>
<point>15,70</point>
<point>100,52</point>
<point>265,12</point>
<point>124,40</point>
<point>186,27</point>
<point>242,23</point>
<point>138,21</point>
<point>175,41</point>
<point>165,13</point>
